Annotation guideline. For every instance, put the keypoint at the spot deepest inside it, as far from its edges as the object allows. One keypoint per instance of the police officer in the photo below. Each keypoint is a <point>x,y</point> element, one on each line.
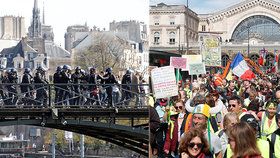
<point>93,88</point>
<point>109,79</point>
<point>3,91</point>
<point>126,87</point>
<point>57,79</point>
<point>41,86</point>
<point>76,80</point>
<point>26,88</point>
<point>12,87</point>
<point>67,88</point>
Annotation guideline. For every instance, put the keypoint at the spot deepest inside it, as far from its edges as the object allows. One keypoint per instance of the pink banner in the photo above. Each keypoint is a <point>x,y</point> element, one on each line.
<point>178,62</point>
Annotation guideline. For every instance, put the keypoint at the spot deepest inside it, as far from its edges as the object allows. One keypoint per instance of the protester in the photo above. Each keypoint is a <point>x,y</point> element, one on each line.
<point>243,142</point>
<point>194,145</point>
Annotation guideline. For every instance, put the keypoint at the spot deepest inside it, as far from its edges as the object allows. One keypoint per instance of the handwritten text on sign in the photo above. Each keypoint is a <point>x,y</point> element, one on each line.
<point>164,82</point>
<point>196,69</point>
<point>178,62</point>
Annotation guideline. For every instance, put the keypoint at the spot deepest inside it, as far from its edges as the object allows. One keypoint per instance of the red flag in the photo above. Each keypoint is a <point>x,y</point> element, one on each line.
<point>260,60</point>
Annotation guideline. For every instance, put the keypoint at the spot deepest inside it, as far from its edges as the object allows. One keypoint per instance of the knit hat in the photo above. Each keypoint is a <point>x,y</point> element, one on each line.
<point>202,109</point>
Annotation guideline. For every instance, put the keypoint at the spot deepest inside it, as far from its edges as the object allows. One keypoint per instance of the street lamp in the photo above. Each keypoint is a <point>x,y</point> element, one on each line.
<point>187,26</point>
<point>248,28</point>
<point>179,46</point>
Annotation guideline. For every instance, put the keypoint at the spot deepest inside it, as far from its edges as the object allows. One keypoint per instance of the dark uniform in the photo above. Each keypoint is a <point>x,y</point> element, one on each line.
<point>109,79</point>
<point>67,88</point>
<point>12,87</point>
<point>41,87</point>
<point>76,80</point>
<point>26,87</point>
<point>57,88</point>
<point>126,87</point>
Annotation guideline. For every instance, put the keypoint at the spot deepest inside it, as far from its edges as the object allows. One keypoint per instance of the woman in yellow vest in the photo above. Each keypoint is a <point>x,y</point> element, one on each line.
<point>274,138</point>
<point>268,120</point>
<point>243,142</point>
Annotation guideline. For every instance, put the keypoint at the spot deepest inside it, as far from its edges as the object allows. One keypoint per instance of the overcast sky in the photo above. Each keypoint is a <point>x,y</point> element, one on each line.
<point>62,13</point>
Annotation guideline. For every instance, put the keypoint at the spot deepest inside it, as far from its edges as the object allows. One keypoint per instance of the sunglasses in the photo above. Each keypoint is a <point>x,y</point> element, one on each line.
<point>199,145</point>
<point>231,105</point>
<point>178,107</point>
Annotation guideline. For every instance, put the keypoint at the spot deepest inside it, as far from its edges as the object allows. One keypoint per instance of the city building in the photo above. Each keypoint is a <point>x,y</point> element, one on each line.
<point>173,30</point>
<point>12,29</point>
<point>134,54</point>
<point>251,27</point>
<point>137,31</point>
<point>37,49</point>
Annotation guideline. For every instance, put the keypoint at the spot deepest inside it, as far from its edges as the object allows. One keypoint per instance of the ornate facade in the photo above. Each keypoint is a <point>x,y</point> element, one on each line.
<point>249,27</point>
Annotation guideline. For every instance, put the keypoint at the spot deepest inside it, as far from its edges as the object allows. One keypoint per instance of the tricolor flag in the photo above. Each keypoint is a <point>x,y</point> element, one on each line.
<point>275,57</point>
<point>240,68</point>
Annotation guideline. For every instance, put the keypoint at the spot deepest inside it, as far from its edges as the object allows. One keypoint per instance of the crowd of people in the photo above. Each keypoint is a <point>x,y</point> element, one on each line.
<point>237,118</point>
<point>71,87</point>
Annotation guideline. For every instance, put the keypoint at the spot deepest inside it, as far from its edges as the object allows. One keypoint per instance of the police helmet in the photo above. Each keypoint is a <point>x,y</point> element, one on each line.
<point>13,70</point>
<point>40,69</point>
<point>27,70</point>
<point>83,71</point>
<point>78,68</point>
<point>128,71</point>
<point>109,70</point>
<point>92,69</point>
<point>66,67</point>
<point>59,68</point>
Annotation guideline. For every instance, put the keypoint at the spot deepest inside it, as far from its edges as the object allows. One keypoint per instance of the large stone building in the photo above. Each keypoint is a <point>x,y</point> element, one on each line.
<point>169,25</point>
<point>37,49</point>
<point>12,28</point>
<point>137,31</point>
<point>249,27</point>
<point>79,38</point>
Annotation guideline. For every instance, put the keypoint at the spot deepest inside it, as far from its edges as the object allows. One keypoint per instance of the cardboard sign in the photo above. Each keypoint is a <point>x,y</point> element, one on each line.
<point>197,69</point>
<point>192,59</point>
<point>164,82</point>
<point>178,62</point>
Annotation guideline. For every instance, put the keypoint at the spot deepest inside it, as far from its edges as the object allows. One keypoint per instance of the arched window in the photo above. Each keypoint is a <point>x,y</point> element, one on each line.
<point>254,58</point>
<point>156,38</point>
<point>257,27</point>
<point>225,59</point>
<point>172,36</point>
<point>269,61</point>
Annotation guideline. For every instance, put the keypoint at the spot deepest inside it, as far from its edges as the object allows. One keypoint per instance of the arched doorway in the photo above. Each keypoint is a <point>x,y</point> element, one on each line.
<point>225,59</point>
<point>254,58</point>
<point>269,61</point>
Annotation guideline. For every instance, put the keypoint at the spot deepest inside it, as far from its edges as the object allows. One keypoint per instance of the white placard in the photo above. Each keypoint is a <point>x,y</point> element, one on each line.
<point>197,69</point>
<point>192,59</point>
<point>164,82</point>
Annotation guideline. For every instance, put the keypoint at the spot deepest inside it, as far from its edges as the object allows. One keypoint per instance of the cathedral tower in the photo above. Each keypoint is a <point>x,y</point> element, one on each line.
<point>35,29</point>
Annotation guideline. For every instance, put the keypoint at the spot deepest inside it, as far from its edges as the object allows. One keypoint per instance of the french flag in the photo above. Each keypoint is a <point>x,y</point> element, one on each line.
<point>241,69</point>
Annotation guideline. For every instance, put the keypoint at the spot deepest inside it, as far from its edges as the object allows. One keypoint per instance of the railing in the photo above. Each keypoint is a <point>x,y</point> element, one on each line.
<point>72,95</point>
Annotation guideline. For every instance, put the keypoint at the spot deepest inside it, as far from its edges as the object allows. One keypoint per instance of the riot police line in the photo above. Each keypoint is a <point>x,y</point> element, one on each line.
<point>77,89</point>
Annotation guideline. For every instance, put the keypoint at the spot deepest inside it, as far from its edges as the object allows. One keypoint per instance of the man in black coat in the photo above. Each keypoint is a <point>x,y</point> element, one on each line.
<point>26,87</point>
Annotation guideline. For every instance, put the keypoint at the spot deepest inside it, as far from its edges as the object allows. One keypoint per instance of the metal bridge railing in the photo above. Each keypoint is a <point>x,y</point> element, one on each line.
<point>73,95</point>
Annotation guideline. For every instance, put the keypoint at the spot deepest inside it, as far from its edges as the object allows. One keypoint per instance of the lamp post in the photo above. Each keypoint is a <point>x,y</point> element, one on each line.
<point>187,26</point>
<point>179,46</point>
<point>248,28</point>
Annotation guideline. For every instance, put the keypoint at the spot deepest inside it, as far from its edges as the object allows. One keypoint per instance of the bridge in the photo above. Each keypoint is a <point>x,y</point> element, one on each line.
<point>124,122</point>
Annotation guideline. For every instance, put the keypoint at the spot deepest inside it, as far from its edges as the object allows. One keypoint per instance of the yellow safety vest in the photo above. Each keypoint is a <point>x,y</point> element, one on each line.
<point>265,130</point>
<point>276,145</point>
<point>263,146</point>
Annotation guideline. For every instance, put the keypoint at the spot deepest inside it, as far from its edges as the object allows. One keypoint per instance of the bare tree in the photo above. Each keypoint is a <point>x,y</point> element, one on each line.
<point>106,51</point>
